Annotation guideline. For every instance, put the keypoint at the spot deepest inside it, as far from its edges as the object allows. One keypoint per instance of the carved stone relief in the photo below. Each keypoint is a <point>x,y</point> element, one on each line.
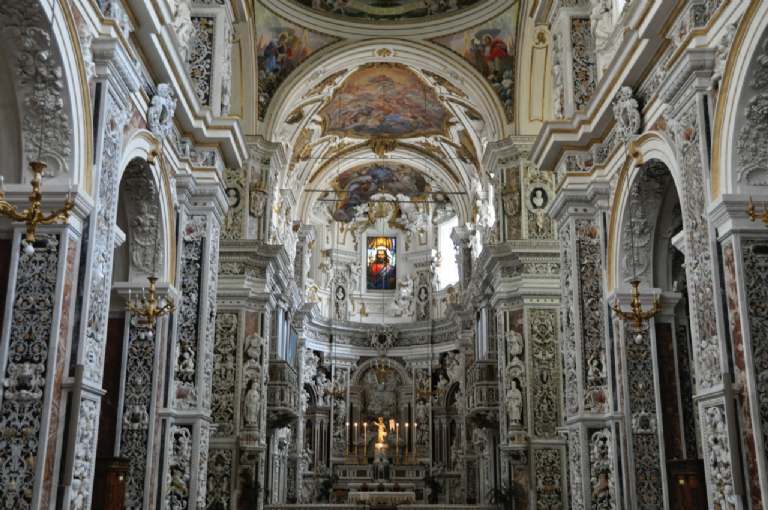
<point>140,201</point>
<point>46,131</point>
<point>185,370</point>
<point>545,374</point>
<point>225,373</point>
<point>161,110</point>
<point>592,315</point>
<point>602,477</point>
<point>21,409</point>
<point>219,483</point>
<point>177,484</point>
<point>137,409</point>
<point>201,56</point>
<point>584,72</point>
<point>549,478</point>
<point>641,399</point>
<point>236,199</point>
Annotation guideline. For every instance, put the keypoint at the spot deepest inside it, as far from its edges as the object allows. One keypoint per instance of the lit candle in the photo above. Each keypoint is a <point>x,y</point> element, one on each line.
<point>397,442</point>
<point>413,449</point>
<point>346,443</point>
<point>365,441</point>
<point>405,460</point>
<point>355,439</point>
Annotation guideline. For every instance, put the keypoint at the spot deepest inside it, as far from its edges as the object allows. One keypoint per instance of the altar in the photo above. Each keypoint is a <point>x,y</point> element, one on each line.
<point>382,498</point>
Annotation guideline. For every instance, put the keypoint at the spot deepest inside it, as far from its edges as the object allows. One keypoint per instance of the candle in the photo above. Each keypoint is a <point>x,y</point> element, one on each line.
<point>413,448</point>
<point>365,441</point>
<point>355,439</point>
<point>397,442</point>
<point>346,443</point>
<point>405,460</point>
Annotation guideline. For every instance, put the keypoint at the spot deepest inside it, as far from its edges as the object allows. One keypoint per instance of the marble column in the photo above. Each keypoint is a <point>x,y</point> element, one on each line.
<point>187,422</point>
<point>713,391</point>
<point>138,435</point>
<point>591,427</point>
<point>112,89</point>
<point>744,248</point>
<point>37,330</point>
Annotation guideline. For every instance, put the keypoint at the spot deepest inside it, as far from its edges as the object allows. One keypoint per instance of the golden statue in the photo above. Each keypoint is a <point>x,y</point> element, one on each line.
<point>382,432</point>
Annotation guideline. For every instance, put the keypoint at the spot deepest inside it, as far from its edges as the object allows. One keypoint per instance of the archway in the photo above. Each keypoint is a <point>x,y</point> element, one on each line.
<point>652,249</point>
<point>127,433</point>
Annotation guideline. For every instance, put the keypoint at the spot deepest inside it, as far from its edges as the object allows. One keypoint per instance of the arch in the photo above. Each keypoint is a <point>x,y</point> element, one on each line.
<point>140,148</point>
<point>651,146</point>
<point>51,86</point>
<point>370,363</point>
<point>418,55</point>
<point>732,97</point>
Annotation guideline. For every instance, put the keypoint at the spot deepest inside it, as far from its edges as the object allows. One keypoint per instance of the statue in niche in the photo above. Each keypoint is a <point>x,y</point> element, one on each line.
<point>514,404</point>
<point>596,369</point>
<point>381,432</point>
<point>252,405</point>
<point>253,346</point>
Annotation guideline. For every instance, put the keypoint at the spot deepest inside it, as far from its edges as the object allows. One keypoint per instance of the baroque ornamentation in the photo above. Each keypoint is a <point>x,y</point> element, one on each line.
<point>185,370</point>
<point>698,261</point>
<point>752,142</point>
<point>180,469</point>
<point>574,468</point>
<point>545,372</point>
<point>140,199</point>
<point>601,477</point>
<point>21,409</point>
<point>39,85</point>
<point>225,373</point>
<point>161,111</point>
<point>219,483</point>
<point>549,478</point>
<point>584,79</point>
<point>641,399</point>
<point>137,406</point>
<point>201,56</point>
<point>718,458</point>
<point>627,113</point>
<point>567,325</point>
<point>755,266</point>
<point>591,310</point>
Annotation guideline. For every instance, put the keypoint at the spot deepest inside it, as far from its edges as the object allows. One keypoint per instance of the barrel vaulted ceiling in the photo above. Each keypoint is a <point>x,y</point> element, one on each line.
<point>423,92</point>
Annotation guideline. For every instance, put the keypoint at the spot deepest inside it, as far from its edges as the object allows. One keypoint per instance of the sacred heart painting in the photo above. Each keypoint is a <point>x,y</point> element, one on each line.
<point>384,101</point>
<point>382,263</point>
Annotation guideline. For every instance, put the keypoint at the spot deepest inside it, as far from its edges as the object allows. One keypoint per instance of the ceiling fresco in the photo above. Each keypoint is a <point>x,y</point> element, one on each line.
<point>384,101</point>
<point>387,10</point>
<point>490,49</point>
<point>281,47</point>
<point>356,186</point>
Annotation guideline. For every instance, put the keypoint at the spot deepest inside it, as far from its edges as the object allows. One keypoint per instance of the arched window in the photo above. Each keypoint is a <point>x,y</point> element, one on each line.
<point>447,270</point>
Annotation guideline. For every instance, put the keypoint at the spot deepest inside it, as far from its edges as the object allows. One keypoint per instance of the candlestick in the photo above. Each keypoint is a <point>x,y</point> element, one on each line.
<point>397,442</point>
<point>355,440</point>
<point>405,460</point>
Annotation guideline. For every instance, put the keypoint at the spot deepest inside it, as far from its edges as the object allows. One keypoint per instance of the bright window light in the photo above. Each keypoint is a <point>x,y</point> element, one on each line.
<point>448,270</point>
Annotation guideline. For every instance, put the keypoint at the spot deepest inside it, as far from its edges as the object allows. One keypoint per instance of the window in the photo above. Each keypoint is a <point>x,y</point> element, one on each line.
<point>448,270</point>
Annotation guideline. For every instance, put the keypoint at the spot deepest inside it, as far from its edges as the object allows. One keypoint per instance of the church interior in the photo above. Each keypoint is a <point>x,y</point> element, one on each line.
<point>384,254</point>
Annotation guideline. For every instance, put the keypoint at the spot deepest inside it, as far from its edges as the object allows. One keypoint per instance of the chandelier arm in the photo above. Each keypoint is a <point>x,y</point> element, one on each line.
<point>7,209</point>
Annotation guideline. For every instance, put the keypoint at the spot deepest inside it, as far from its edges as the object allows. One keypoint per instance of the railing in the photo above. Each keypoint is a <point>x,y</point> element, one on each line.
<point>315,506</point>
<point>282,392</point>
<point>483,388</point>
<point>449,507</point>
